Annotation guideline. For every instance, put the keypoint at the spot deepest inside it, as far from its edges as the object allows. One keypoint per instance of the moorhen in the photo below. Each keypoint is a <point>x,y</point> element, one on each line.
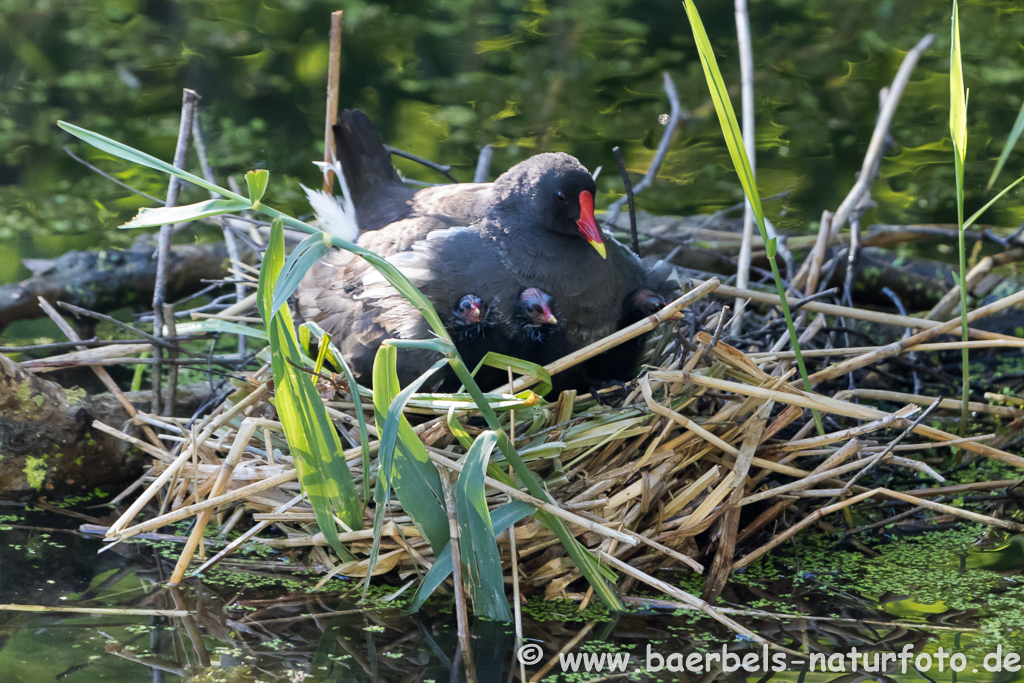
<point>532,227</point>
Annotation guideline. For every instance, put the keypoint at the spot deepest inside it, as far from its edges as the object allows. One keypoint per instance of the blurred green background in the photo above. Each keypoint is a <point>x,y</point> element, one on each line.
<point>444,78</point>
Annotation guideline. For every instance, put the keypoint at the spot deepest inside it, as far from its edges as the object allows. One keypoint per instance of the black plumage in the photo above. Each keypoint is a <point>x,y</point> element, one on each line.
<point>532,227</point>
<point>475,331</point>
<point>538,337</point>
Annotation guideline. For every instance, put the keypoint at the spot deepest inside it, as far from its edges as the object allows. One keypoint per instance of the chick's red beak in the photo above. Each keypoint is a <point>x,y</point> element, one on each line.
<point>475,313</point>
<point>588,226</point>
<point>547,316</point>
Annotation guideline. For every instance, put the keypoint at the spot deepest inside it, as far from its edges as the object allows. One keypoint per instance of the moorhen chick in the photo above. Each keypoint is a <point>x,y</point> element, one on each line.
<point>532,227</point>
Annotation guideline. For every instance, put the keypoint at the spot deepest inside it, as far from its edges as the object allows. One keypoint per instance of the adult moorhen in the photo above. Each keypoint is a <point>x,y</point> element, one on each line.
<point>532,227</point>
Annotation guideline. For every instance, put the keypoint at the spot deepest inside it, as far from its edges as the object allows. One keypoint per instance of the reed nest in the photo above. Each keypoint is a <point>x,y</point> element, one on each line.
<point>704,463</point>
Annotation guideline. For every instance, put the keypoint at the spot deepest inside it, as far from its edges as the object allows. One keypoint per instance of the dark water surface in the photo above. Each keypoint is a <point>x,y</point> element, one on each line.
<point>252,623</point>
<point>443,79</point>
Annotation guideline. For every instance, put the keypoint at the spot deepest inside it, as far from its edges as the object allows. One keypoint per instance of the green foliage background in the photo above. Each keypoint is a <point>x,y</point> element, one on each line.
<point>445,77</point>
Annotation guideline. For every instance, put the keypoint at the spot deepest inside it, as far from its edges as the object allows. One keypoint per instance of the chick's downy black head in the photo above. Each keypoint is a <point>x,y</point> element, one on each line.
<point>469,316</point>
<point>534,314</point>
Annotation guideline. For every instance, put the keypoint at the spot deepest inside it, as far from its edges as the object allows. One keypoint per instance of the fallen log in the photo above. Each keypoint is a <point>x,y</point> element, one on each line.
<point>106,279</point>
<point>48,444</point>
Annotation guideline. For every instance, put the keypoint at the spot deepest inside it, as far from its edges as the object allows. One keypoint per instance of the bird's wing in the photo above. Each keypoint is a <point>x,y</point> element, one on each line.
<point>454,205</point>
<point>355,304</point>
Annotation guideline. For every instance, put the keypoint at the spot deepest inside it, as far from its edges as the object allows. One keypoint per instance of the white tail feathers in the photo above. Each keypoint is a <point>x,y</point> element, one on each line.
<point>336,215</point>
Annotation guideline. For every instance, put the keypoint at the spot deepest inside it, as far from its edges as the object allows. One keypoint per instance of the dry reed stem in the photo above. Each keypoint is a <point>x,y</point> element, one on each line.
<point>833,406</point>
<point>442,458</point>
<point>944,404</point>
<point>693,601</point>
<point>620,337</point>
<point>770,356</point>
<point>333,78</point>
<point>162,456</point>
<point>856,313</point>
<point>183,457</point>
<point>645,387</point>
<point>461,615</point>
<point>905,497</point>
<point>945,307</point>
<point>891,420</point>
<point>189,511</point>
<point>824,475</point>
<point>573,642</point>
<point>245,432</point>
<point>782,616</point>
<point>896,348</point>
<point>101,373</point>
<point>116,611</point>
<point>778,539</point>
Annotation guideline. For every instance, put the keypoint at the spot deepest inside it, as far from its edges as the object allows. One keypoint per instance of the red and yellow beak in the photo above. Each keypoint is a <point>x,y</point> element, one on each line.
<point>588,225</point>
<point>475,313</point>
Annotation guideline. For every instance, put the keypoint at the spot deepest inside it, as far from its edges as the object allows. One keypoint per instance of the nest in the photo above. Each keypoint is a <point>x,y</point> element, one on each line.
<point>705,463</point>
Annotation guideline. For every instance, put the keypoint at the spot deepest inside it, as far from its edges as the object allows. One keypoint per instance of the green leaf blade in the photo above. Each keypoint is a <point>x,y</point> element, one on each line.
<point>480,557</point>
<point>168,215</point>
<point>123,151</point>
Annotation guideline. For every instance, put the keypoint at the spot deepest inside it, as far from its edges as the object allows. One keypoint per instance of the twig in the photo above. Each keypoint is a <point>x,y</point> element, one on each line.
<point>652,172</point>
<point>877,144</point>
<point>101,373</point>
<point>483,164</point>
<point>93,343</point>
<point>163,253</point>
<point>629,197</point>
<point>813,297</point>
<point>692,601</point>
<point>162,342</point>
<point>792,396</point>
<point>172,372</point>
<point>244,433</point>
<point>67,150</point>
<point>440,168</point>
<point>750,143</point>
<point>333,78</point>
<point>230,243</point>
<point>891,445</point>
<point>461,615</point>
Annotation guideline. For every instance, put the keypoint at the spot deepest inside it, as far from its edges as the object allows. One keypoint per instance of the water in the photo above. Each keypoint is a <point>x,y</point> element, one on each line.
<point>254,623</point>
<point>443,79</point>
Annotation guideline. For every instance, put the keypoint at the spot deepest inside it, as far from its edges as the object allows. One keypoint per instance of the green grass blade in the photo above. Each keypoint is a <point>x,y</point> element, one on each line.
<point>958,132</point>
<point>1011,142</point>
<point>336,359</point>
<point>502,518</point>
<point>409,471</point>
<point>518,366</point>
<point>480,558</point>
<point>167,215</point>
<point>734,142</point>
<point>257,184</point>
<point>312,439</point>
<point>122,151</point>
<point>977,214</point>
<point>957,95</point>
<point>302,258</point>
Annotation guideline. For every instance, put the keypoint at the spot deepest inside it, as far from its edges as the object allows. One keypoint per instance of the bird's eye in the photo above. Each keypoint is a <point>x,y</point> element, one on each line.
<point>560,195</point>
